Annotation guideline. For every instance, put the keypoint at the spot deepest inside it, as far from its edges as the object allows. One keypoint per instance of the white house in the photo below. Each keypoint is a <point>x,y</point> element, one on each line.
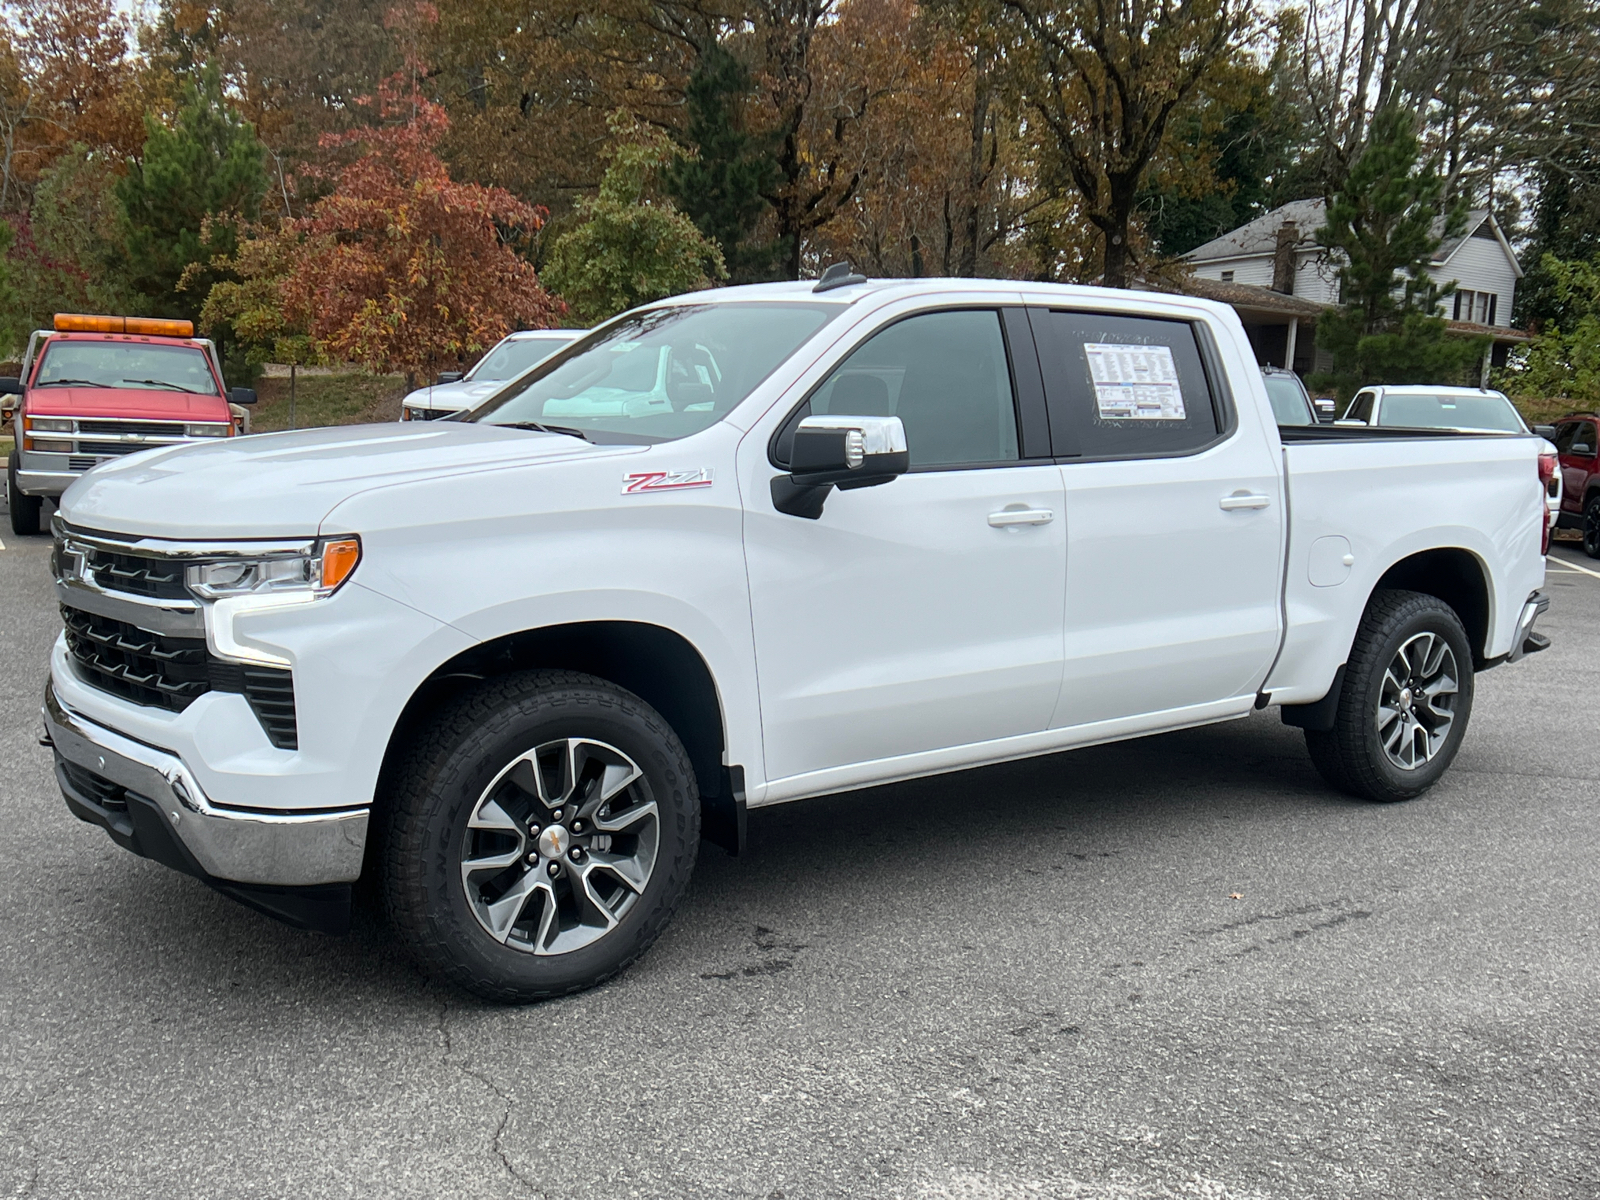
<point>1258,266</point>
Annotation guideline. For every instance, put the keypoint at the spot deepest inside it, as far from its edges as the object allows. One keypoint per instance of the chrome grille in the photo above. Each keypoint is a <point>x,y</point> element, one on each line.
<point>145,667</point>
<point>88,447</point>
<point>133,573</point>
<point>149,428</point>
<point>172,672</point>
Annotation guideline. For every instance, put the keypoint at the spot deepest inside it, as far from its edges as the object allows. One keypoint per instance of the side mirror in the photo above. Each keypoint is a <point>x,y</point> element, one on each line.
<point>10,385</point>
<point>450,377</point>
<point>1545,431</point>
<point>1581,449</point>
<point>839,451</point>
<point>241,396</point>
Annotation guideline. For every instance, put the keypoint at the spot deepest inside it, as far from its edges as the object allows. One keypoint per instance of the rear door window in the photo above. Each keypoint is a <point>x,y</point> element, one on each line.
<point>1125,387</point>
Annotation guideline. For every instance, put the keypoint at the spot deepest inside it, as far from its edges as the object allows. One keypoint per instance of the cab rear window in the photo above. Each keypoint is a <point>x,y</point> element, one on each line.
<point>135,365</point>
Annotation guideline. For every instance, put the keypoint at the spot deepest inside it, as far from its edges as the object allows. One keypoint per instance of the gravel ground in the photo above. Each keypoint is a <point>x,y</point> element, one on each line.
<point>1174,967</point>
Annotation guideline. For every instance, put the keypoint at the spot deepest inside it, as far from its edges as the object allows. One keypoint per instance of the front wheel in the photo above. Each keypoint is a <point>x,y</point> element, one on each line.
<point>25,510</point>
<point>1591,527</point>
<point>541,836</point>
<point>1405,701</point>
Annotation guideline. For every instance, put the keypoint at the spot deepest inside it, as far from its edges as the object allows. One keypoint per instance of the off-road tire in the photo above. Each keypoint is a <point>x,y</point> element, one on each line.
<point>1351,757</point>
<point>423,825</point>
<point>25,510</point>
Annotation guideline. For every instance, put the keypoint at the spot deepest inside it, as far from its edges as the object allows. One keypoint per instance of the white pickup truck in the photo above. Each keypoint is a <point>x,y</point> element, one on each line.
<point>745,547</point>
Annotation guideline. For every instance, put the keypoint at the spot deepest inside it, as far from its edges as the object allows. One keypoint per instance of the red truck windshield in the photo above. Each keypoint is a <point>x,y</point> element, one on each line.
<point>125,365</point>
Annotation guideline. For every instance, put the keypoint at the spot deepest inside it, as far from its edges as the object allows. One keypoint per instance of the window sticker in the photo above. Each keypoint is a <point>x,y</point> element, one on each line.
<point>1134,383</point>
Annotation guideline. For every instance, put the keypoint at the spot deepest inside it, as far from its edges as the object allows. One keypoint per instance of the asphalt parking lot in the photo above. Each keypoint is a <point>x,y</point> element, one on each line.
<point>1174,967</point>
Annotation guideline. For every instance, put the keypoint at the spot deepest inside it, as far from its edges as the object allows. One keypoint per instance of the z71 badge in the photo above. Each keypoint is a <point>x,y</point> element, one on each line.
<point>665,481</point>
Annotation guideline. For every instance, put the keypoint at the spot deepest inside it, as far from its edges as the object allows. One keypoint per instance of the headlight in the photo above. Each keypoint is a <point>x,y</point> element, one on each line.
<point>209,430</point>
<point>48,424</point>
<point>317,572</point>
<point>49,445</point>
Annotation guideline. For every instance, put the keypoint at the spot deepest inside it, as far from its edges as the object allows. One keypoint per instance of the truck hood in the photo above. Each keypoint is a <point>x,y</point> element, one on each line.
<point>284,484</point>
<point>134,404</point>
<point>468,393</point>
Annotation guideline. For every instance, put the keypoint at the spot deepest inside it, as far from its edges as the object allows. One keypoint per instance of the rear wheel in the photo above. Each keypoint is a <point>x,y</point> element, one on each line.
<point>25,510</point>
<point>541,837</point>
<point>1405,701</point>
<point>1591,527</point>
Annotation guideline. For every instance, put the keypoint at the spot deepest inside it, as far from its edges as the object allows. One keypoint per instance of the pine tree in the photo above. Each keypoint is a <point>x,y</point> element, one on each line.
<point>182,198</point>
<point>1384,226</point>
<point>720,185</point>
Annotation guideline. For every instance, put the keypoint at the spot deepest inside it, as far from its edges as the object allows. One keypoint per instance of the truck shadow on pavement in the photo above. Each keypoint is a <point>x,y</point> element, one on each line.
<point>815,856</point>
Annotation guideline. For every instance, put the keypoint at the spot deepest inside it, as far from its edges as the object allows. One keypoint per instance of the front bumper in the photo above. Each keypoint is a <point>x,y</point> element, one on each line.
<point>296,866</point>
<point>46,483</point>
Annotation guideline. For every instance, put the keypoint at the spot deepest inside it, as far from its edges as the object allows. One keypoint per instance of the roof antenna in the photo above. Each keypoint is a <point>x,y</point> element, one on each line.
<point>837,276</point>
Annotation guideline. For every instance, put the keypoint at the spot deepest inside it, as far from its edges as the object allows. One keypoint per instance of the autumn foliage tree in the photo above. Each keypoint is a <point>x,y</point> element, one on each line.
<point>403,269</point>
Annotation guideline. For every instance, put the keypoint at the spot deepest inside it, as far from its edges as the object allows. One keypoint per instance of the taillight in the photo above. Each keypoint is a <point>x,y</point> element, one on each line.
<point>1547,469</point>
<point>1548,462</point>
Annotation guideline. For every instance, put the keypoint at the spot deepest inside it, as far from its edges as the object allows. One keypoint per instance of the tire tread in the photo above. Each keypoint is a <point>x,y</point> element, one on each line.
<point>405,851</point>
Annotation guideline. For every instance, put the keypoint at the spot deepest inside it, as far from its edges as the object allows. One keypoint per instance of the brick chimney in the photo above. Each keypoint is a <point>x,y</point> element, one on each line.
<point>1283,258</point>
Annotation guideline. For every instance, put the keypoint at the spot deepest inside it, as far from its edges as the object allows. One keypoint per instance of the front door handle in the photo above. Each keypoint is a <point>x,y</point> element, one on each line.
<point>1244,500</point>
<point>1006,518</point>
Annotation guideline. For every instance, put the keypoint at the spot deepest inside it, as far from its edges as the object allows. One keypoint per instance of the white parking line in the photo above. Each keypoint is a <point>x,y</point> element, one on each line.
<point>1571,566</point>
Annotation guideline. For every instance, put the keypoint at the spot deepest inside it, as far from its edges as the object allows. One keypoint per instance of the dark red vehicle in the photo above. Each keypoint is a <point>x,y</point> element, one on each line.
<point>98,387</point>
<point>1577,440</point>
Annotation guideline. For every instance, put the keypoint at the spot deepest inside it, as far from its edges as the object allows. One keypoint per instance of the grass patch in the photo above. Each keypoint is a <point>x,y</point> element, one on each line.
<point>322,400</point>
<point>6,446</point>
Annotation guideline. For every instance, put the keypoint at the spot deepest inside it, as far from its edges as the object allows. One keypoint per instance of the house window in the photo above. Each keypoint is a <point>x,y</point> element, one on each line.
<point>1227,277</point>
<point>1477,307</point>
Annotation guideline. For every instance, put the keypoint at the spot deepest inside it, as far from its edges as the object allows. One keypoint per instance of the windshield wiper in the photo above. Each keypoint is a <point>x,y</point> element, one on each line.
<point>71,383</point>
<point>568,430</point>
<point>177,387</point>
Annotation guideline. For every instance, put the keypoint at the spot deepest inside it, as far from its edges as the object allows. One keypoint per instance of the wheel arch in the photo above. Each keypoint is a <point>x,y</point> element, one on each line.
<point>657,664</point>
<point>1456,576</point>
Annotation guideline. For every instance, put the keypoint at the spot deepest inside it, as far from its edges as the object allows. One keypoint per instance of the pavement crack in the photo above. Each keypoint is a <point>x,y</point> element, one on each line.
<point>497,1143</point>
<point>1302,910</point>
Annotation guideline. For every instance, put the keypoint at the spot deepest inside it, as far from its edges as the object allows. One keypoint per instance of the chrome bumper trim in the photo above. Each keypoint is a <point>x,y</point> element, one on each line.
<point>279,849</point>
<point>46,483</point>
<point>174,618</point>
<point>1523,642</point>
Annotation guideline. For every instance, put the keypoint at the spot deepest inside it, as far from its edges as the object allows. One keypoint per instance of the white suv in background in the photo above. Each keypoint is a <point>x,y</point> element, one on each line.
<point>510,357</point>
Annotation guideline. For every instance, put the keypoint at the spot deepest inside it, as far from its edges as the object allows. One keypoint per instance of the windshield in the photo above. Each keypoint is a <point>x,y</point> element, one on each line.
<point>1288,401</point>
<point>1489,412</point>
<point>511,358</point>
<point>138,365</point>
<point>659,374</point>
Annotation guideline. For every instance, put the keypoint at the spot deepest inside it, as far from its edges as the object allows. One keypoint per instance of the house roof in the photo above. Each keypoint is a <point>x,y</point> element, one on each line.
<point>1244,297</point>
<point>1260,237</point>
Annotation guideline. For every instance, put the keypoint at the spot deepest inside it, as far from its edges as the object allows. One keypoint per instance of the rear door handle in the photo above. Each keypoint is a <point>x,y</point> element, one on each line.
<point>1008,517</point>
<point>1244,500</point>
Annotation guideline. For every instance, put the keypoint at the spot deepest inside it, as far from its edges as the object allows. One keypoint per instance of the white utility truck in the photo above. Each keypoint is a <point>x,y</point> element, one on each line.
<point>744,547</point>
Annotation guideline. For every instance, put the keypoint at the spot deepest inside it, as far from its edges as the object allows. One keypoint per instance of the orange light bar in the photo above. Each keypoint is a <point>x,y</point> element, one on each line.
<point>147,326</point>
<point>338,560</point>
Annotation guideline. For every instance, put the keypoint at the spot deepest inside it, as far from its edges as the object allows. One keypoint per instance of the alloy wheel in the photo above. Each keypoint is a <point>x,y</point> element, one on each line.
<point>1416,703</point>
<point>560,846</point>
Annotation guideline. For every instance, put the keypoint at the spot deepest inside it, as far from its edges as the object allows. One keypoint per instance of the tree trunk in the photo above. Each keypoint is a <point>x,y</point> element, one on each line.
<point>977,173</point>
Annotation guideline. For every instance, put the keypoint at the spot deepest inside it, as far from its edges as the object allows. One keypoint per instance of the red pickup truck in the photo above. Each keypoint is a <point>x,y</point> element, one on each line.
<point>1577,439</point>
<point>98,387</point>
